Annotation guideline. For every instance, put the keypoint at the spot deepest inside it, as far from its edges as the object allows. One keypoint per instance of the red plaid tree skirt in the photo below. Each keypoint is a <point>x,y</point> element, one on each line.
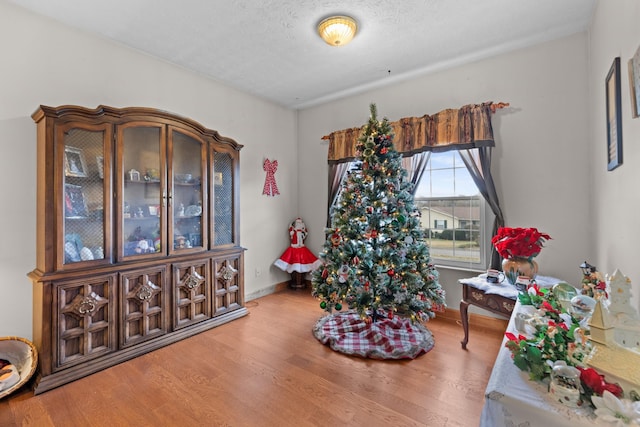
<point>395,338</point>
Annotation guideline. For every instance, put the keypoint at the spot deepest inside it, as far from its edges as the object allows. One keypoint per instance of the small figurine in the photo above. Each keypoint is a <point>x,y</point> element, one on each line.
<point>593,284</point>
<point>181,209</point>
<point>134,175</point>
<point>180,242</point>
<point>99,253</point>
<point>143,247</point>
<point>297,258</point>
<point>565,384</point>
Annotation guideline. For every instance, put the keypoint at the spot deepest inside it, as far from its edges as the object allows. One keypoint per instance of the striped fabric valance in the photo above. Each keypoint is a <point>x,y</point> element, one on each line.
<point>467,127</point>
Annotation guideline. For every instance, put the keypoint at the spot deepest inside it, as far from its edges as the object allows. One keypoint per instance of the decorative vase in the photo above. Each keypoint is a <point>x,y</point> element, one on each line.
<point>517,266</point>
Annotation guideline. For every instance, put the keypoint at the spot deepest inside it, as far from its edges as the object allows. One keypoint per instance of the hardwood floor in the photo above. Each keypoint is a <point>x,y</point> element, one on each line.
<point>267,369</point>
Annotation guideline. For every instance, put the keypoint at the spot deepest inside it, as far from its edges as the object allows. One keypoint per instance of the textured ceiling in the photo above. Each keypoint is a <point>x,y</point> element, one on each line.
<point>270,48</point>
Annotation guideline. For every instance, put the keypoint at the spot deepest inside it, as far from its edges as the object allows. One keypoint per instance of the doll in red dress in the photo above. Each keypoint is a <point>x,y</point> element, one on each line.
<point>297,258</point>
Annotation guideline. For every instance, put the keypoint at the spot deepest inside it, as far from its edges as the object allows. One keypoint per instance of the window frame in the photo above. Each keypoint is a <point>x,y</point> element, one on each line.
<point>485,224</point>
<point>487,218</point>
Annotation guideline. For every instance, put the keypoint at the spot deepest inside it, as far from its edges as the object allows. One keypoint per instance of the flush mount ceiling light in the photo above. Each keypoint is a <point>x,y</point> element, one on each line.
<point>337,30</point>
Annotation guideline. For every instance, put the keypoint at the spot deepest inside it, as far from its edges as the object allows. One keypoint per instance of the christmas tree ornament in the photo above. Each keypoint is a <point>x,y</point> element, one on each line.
<point>343,273</point>
<point>338,306</point>
<point>323,305</point>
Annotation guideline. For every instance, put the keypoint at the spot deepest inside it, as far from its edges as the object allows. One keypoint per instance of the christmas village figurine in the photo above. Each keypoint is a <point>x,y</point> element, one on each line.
<point>615,335</point>
<point>593,284</point>
<point>297,259</point>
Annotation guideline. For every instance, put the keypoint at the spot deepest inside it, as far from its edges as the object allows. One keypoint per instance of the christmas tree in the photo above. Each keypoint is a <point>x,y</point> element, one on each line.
<point>375,258</point>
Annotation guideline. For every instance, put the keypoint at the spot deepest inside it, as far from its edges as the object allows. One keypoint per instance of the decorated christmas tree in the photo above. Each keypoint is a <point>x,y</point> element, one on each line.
<point>376,261</point>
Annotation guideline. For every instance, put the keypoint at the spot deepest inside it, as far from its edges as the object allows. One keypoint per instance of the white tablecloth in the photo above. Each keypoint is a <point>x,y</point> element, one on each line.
<point>512,400</point>
<point>505,289</point>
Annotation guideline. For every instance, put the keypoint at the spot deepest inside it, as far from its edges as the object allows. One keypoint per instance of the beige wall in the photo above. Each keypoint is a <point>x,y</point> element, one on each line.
<point>46,63</point>
<point>539,163</point>
<point>614,196</point>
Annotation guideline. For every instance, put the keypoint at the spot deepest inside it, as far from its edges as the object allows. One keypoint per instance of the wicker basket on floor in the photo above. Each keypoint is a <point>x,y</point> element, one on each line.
<point>23,355</point>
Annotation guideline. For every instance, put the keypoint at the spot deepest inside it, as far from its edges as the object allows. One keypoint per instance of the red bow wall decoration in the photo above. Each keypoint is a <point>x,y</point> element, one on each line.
<point>270,186</point>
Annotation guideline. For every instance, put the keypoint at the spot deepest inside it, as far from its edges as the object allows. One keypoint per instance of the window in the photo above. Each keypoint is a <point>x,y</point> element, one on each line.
<point>349,167</point>
<point>448,198</point>
<point>440,224</point>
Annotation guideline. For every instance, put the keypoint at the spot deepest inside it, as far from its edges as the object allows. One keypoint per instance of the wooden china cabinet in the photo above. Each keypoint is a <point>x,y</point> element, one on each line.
<point>137,236</point>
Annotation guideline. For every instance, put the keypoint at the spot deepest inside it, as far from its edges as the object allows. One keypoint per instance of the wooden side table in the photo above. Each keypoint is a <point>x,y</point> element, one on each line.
<point>473,295</point>
<point>498,298</point>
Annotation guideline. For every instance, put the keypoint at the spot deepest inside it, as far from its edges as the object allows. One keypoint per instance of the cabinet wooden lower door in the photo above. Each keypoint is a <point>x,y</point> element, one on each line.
<point>192,292</point>
<point>84,319</point>
<point>143,305</point>
<point>228,283</point>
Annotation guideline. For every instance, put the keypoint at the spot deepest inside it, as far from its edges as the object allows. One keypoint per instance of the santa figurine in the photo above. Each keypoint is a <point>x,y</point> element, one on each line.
<point>297,259</point>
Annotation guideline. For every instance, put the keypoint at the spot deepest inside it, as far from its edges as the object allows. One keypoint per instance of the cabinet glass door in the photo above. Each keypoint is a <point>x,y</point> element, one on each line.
<point>187,156</point>
<point>223,202</point>
<point>142,200</point>
<point>83,191</point>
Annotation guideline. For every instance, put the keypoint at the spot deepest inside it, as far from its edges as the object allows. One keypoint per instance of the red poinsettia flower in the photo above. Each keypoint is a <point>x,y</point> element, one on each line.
<point>593,380</point>
<point>519,242</point>
<point>614,389</point>
<point>548,307</point>
<point>512,337</point>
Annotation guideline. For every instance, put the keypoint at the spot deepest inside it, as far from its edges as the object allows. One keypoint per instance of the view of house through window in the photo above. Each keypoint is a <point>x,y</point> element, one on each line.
<point>451,207</point>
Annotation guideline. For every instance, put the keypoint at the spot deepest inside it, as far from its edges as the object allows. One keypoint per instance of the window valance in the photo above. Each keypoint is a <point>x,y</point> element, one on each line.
<point>467,127</point>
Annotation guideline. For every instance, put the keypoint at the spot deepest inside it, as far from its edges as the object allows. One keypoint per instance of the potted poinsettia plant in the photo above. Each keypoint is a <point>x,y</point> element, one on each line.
<point>518,246</point>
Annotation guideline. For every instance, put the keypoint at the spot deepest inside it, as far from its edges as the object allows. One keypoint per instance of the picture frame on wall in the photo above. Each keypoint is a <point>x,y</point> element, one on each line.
<point>74,164</point>
<point>634,83</point>
<point>614,116</point>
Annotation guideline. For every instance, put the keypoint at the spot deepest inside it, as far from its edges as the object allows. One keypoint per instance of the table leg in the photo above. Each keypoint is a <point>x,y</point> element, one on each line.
<point>464,316</point>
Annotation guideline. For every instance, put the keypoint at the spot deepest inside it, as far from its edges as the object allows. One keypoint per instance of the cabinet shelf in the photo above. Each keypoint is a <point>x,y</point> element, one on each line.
<point>144,218</point>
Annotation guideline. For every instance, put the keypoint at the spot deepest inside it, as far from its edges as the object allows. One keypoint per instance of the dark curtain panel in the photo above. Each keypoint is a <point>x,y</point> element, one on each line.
<point>337,172</point>
<point>478,162</point>
<point>415,166</point>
